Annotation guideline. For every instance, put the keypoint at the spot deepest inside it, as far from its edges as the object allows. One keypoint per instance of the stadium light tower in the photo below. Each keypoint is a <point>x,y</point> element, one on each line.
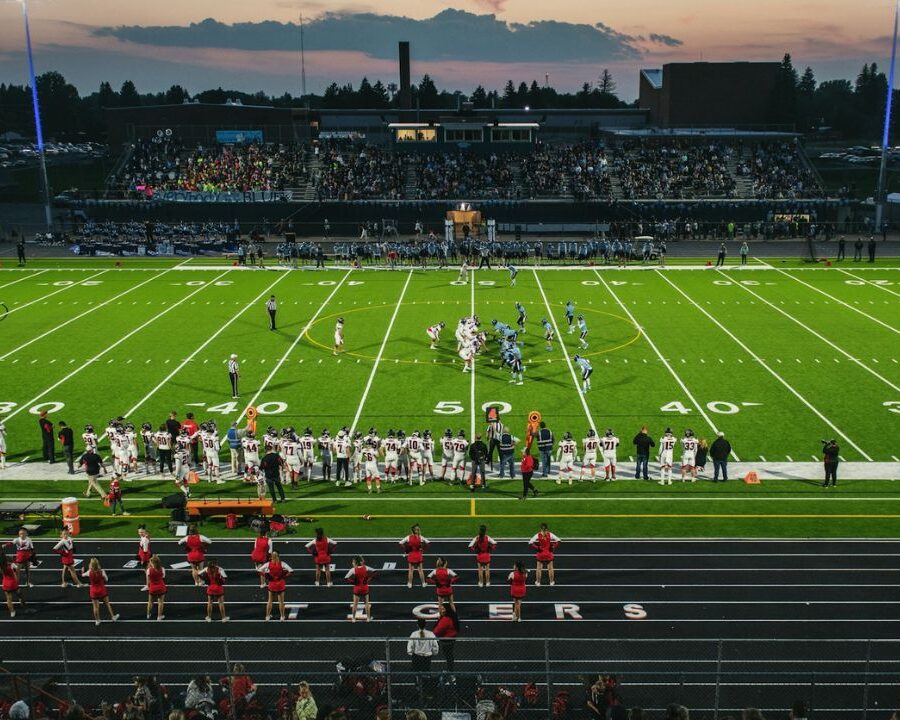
<point>881,192</point>
<point>37,117</point>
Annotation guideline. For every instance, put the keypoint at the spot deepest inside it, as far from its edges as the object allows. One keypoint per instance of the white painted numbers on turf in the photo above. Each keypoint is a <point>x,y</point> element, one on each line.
<point>722,407</point>
<point>455,407</point>
<point>272,407</point>
<point>7,406</point>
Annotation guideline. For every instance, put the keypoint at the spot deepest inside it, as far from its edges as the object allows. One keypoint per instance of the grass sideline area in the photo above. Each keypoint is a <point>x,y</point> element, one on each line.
<point>778,355</point>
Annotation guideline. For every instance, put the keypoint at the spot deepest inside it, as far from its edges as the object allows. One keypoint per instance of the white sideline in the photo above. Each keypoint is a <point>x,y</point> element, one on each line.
<point>79,316</point>
<point>868,282</point>
<point>55,292</point>
<point>206,342</point>
<point>287,352</point>
<point>562,346</point>
<point>664,361</point>
<point>24,277</point>
<point>113,346</point>
<point>838,300</point>
<point>472,373</point>
<point>763,364</point>
<point>808,329</point>
<point>387,334</point>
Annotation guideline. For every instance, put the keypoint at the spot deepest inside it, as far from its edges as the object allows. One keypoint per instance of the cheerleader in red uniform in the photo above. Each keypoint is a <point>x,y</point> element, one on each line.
<point>359,576</point>
<point>545,543</point>
<point>518,579</point>
<point>10,573</point>
<point>262,549</point>
<point>97,580</point>
<point>483,545</point>
<point>65,548</point>
<point>156,587</point>
<point>196,545</point>
<point>25,556</point>
<point>215,589</point>
<point>321,549</point>
<point>276,572</point>
<point>414,545</point>
<point>144,552</point>
<point>443,578</point>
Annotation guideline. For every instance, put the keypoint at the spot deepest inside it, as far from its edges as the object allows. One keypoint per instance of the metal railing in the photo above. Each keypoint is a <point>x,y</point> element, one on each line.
<point>713,678</point>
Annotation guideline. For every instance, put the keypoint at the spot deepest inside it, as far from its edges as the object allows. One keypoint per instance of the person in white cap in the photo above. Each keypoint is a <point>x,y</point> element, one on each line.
<point>234,371</point>
<point>19,711</point>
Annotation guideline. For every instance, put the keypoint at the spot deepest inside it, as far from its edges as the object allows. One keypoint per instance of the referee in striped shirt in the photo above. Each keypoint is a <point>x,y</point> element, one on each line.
<point>234,372</point>
<point>271,307</point>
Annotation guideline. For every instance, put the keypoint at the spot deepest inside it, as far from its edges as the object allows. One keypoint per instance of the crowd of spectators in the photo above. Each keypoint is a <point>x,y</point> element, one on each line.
<point>168,164</point>
<point>578,170</point>
<point>354,172</point>
<point>778,172</point>
<point>462,176</point>
<point>675,170</point>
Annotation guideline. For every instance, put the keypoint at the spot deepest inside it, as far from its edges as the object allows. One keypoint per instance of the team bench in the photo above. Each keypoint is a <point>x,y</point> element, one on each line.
<point>207,508</point>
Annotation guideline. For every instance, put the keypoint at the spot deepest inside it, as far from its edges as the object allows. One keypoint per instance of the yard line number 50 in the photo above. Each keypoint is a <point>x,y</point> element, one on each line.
<point>455,407</point>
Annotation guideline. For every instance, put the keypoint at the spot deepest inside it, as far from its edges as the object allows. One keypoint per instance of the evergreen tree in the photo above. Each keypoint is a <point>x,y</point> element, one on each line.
<point>606,85</point>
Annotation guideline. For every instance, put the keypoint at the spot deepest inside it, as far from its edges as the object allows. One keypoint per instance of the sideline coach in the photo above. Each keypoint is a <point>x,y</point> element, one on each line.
<point>271,307</point>
<point>234,372</point>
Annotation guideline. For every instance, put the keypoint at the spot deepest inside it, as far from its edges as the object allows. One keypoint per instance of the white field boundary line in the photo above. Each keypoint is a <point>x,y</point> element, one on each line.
<point>821,337</point>
<point>387,335</point>
<point>665,362</point>
<point>118,342</point>
<point>764,365</point>
<point>562,345</point>
<point>212,337</point>
<point>310,500</point>
<point>33,275</point>
<point>868,282</point>
<point>297,339</point>
<point>55,292</point>
<point>472,372</point>
<point>79,316</point>
<point>838,300</point>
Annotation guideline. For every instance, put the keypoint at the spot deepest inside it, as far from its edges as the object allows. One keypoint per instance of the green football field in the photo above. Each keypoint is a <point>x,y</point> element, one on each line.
<point>778,356</point>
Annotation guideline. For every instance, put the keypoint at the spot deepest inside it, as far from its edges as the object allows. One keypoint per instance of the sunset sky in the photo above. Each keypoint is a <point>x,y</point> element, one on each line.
<point>477,41</point>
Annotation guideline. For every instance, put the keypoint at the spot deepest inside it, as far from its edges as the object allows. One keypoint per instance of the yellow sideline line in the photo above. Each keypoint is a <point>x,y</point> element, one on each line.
<point>472,508</point>
<point>558,516</point>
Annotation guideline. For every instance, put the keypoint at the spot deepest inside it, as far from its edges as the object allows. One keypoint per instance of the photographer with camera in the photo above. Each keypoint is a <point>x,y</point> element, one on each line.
<point>831,458</point>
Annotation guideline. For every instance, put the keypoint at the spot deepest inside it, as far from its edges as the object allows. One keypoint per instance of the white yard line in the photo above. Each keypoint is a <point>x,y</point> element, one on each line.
<point>118,342</point>
<point>297,339</point>
<point>55,292</point>
<point>32,274</point>
<point>665,362</point>
<point>868,282</point>
<point>212,337</point>
<point>821,337</point>
<point>837,300</point>
<point>387,334</point>
<point>764,365</point>
<point>472,373</point>
<point>562,345</point>
<point>79,316</point>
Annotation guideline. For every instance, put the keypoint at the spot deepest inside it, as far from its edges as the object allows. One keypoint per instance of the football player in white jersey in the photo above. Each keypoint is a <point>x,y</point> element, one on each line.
<point>427,455</point>
<point>209,441</point>
<point>326,452</point>
<point>434,334</point>
<point>567,456</point>
<point>163,441</point>
<point>89,438</point>
<point>689,455</point>
<point>307,445</point>
<point>590,444</point>
<point>343,448</point>
<point>2,446</point>
<point>131,448</point>
<point>183,461</point>
<point>460,445</point>
<point>369,455</point>
<point>414,448</point>
<point>666,451</point>
<point>149,447</point>
<point>251,449</point>
<point>290,452</point>
<point>446,453</point>
<point>608,444</point>
<point>339,336</point>
<point>391,450</point>
<point>357,459</point>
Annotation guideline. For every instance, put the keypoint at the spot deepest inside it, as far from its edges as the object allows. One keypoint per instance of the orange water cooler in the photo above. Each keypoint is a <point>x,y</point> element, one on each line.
<point>70,515</point>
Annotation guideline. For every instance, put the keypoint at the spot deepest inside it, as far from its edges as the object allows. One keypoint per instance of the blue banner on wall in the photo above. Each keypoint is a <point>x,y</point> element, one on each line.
<point>238,137</point>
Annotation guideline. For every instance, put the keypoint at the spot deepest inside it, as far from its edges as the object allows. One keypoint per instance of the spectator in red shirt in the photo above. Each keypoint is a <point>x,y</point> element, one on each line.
<point>527,468</point>
<point>447,629</point>
<point>192,428</point>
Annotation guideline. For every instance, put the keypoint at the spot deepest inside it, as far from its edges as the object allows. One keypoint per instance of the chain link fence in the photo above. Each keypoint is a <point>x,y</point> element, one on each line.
<point>529,679</point>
